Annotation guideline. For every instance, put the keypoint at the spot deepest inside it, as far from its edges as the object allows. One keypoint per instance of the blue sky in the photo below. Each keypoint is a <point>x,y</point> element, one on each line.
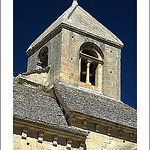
<point>32,17</point>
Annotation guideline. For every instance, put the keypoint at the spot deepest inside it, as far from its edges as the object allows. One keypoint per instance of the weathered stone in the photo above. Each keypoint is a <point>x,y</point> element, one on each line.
<point>54,108</point>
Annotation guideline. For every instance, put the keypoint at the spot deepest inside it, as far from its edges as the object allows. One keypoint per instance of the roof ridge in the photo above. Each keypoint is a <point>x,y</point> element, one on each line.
<point>72,11</point>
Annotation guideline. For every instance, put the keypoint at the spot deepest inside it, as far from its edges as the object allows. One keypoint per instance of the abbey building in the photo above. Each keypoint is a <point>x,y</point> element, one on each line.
<point>69,98</point>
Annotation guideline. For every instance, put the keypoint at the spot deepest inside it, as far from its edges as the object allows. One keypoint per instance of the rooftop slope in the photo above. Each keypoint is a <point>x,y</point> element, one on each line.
<point>77,17</point>
<point>34,105</point>
<point>96,105</point>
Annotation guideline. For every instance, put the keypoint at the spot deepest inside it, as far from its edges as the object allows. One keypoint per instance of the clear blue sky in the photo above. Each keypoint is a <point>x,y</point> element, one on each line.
<point>32,17</point>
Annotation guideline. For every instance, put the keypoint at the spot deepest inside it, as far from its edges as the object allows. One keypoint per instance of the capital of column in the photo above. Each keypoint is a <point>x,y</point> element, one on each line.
<point>88,61</point>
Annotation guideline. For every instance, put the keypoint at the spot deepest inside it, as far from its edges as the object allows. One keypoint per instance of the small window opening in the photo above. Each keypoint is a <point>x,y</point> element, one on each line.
<point>84,67</point>
<point>43,56</point>
<point>90,60</point>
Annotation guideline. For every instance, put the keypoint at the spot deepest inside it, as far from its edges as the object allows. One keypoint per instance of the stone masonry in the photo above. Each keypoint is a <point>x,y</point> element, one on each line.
<point>69,98</point>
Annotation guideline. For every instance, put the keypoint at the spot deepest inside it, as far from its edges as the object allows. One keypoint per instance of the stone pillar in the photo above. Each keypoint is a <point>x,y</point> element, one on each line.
<point>88,72</point>
<point>99,76</point>
<point>79,68</point>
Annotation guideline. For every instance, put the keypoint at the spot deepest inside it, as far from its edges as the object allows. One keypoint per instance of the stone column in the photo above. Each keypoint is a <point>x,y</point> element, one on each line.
<point>79,68</point>
<point>88,72</point>
<point>99,76</point>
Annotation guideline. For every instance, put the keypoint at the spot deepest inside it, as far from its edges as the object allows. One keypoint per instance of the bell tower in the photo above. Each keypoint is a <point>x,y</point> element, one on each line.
<point>69,98</point>
<point>79,51</point>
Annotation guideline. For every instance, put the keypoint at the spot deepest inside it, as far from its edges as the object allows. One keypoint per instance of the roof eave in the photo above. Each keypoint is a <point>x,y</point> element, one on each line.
<point>64,25</point>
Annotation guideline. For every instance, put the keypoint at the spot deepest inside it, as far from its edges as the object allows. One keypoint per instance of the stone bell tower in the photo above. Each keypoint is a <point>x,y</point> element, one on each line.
<point>69,98</point>
<point>77,50</point>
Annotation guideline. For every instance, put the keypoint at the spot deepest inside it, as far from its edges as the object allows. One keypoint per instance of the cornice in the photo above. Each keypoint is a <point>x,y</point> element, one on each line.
<point>49,129</point>
<point>31,50</point>
<point>107,125</point>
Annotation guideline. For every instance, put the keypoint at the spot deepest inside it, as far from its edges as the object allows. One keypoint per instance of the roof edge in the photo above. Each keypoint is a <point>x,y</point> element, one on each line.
<point>66,26</point>
<point>18,119</point>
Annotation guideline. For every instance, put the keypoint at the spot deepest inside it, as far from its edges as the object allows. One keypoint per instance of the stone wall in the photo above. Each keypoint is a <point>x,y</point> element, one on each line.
<point>33,144</point>
<point>94,141</point>
<point>63,60</point>
<point>97,141</point>
<point>109,84</point>
<point>40,78</point>
<point>32,139</point>
<point>111,72</point>
<point>32,61</point>
<point>54,57</point>
<point>54,54</point>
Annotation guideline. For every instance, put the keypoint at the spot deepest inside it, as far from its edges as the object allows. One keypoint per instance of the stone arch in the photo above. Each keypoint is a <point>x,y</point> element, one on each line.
<point>43,57</point>
<point>90,45</point>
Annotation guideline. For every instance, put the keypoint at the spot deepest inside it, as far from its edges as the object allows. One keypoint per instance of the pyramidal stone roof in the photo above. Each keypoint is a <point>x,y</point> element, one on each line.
<point>76,17</point>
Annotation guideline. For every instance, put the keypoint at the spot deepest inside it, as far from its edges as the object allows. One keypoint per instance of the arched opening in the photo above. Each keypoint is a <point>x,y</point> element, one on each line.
<point>90,61</point>
<point>43,57</point>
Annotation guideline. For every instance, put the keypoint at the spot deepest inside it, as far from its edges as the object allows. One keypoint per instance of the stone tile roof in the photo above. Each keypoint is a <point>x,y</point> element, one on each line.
<point>97,105</point>
<point>35,105</point>
<point>77,17</point>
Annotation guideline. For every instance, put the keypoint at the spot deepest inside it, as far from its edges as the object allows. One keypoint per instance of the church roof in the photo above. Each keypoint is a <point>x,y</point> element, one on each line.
<point>96,105</point>
<point>32,104</point>
<point>76,17</point>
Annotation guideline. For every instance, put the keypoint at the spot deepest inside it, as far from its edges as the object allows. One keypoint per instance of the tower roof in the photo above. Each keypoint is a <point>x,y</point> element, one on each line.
<point>77,18</point>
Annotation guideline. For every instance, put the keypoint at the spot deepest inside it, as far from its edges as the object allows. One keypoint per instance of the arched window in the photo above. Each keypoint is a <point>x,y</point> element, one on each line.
<point>43,58</point>
<point>91,59</point>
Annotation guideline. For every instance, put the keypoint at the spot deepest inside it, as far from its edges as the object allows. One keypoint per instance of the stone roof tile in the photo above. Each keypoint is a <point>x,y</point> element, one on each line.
<point>36,104</point>
<point>96,105</point>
